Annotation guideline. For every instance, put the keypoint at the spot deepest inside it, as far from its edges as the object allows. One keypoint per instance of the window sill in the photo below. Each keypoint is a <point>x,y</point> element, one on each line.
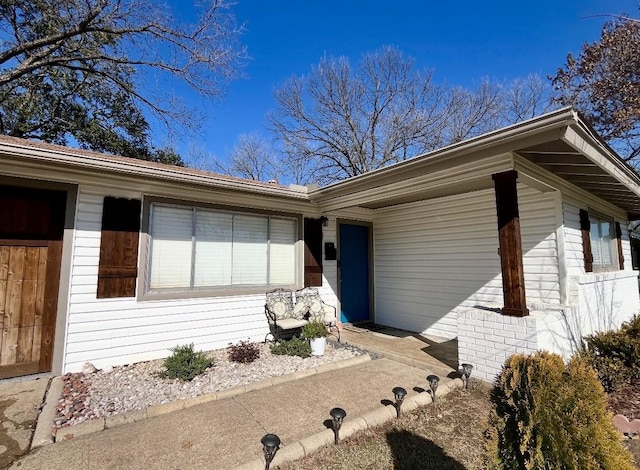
<point>207,293</point>
<point>600,276</point>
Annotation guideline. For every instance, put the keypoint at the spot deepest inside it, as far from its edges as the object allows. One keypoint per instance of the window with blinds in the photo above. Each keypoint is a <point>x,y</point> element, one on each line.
<point>601,235</point>
<point>194,248</point>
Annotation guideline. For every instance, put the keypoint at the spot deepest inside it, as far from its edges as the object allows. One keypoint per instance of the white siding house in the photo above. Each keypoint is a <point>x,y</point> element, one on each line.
<point>433,257</point>
<point>206,248</point>
<point>125,330</point>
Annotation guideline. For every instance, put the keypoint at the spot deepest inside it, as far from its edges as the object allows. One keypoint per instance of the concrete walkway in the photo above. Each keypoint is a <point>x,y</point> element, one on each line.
<point>426,352</point>
<point>226,433</point>
<point>19,406</point>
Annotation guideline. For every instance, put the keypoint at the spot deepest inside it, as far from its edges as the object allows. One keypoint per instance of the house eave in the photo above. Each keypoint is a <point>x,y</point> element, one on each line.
<point>23,152</point>
<point>553,123</point>
<point>560,142</point>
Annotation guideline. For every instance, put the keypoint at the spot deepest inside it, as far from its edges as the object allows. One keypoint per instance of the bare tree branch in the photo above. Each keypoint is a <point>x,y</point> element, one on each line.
<point>50,47</point>
<point>340,121</point>
<point>603,82</point>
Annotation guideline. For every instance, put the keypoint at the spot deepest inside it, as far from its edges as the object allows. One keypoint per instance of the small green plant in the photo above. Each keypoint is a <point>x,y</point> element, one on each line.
<point>185,363</point>
<point>314,329</point>
<point>293,347</point>
<point>615,355</point>
<point>244,352</point>
<point>548,416</point>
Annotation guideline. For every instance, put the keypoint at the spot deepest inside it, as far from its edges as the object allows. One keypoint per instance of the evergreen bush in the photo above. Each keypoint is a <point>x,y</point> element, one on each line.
<point>548,416</point>
<point>293,347</point>
<point>615,355</point>
<point>185,363</point>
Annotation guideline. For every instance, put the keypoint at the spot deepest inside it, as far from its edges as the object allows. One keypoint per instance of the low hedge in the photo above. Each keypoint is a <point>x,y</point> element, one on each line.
<point>615,355</point>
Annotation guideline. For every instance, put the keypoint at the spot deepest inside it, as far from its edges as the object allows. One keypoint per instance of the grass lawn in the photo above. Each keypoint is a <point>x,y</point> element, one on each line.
<point>447,436</point>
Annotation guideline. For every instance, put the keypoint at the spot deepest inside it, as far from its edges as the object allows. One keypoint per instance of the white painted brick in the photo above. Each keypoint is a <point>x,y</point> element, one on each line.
<point>476,335</point>
<point>513,341</point>
<point>485,343</point>
<point>481,376</point>
<point>507,334</point>
<point>517,329</point>
<point>495,339</point>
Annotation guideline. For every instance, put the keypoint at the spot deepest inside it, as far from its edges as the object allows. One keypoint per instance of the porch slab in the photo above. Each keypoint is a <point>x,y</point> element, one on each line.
<point>436,354</point>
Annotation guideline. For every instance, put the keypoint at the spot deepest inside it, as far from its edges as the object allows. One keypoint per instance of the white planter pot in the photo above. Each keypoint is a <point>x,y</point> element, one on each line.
<point>317,346</point>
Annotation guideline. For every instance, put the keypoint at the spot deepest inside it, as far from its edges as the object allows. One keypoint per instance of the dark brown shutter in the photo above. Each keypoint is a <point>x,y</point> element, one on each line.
<point>312,252</point>
<point>118,269</point>
<point>585,228</point>
<point>619,244</point>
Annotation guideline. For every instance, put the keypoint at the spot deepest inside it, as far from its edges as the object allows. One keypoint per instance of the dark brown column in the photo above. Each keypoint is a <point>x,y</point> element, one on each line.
<point>515,303</point>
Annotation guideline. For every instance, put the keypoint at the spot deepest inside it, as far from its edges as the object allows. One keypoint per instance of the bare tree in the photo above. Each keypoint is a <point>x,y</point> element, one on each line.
<point>88,68</point>
<point>253,158</point>
<point>340,121</point>
<point>343,122</point>
<point>471,112</point>
<point>526,98</point>
<point>603,82</point>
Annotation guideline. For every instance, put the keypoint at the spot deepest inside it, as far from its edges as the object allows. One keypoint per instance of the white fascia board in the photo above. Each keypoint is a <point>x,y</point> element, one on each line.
<point>553,121</point>
<point>133,169</point>
<point>470,171</point>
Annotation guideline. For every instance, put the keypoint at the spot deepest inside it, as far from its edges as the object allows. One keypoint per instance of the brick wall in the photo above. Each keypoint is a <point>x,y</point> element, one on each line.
<point>487,338</point>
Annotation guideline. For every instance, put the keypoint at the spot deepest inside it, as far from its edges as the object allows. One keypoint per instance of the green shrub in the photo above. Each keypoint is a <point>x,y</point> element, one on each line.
<point>244,352</point>
<point>314,329</point>
<point>185,363</point>
<point>549,416</point>
<point>615,355</point>
<point>293,347</point>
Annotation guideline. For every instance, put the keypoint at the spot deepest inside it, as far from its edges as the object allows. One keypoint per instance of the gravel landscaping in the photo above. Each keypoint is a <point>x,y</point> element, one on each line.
<point>137,386</point>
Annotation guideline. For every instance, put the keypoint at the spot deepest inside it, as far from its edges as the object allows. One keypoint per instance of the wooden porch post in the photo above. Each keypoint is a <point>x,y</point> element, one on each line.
<point>510,244</point>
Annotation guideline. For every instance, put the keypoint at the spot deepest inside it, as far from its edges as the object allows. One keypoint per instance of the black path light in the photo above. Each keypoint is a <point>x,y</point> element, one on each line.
<point>433,384</point>
<point>399,393</point>
<point>270,445</point>
<point>466,370</point>
<point>337,416</point>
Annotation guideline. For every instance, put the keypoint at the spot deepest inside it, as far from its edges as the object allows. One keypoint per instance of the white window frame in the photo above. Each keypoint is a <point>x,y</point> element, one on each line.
<point>230,289</point>
<point>596,220</point>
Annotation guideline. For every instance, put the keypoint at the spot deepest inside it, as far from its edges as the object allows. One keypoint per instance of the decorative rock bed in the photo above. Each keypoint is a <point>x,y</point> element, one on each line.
<point>137,386</point>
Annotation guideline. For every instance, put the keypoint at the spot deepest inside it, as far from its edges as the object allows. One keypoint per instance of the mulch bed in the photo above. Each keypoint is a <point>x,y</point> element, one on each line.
<point>626,401</point>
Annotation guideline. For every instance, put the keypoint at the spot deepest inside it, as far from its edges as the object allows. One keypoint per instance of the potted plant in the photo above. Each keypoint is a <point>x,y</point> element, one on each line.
<point>316,332</point>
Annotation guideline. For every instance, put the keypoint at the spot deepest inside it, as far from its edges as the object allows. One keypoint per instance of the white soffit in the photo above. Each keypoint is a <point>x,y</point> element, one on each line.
<point>582,160</point>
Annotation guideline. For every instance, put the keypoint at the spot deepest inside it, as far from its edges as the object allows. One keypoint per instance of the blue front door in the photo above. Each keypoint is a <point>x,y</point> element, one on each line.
<point>354,272</point>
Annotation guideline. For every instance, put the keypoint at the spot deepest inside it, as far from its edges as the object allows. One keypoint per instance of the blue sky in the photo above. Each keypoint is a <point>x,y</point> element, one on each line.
<point>462,42</point>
